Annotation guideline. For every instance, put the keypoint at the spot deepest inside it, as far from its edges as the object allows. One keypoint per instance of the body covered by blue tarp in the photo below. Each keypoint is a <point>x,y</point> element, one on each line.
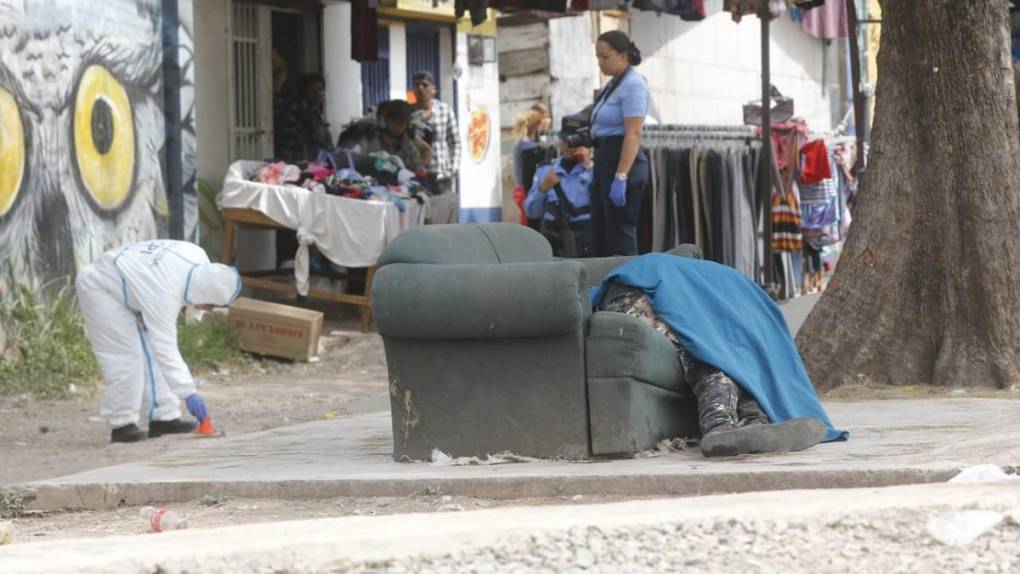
<point>727,321</point>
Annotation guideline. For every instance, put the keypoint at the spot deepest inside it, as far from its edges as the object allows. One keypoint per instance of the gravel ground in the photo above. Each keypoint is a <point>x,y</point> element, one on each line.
<point>887,542</point>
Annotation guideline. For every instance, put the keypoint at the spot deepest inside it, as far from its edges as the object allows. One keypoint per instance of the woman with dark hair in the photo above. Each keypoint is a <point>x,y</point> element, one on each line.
<point>621,166</point>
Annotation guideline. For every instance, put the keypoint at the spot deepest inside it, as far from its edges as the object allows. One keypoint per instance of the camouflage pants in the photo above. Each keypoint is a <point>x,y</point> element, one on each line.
<point>721,401</point>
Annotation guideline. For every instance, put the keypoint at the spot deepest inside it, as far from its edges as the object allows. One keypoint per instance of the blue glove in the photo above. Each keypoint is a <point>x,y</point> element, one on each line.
<point>196,406</point>
<point>618,193</point>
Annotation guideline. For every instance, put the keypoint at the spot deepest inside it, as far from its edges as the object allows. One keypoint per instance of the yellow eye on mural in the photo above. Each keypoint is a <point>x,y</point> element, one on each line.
<point>12,151</point>
<point>104,137</point>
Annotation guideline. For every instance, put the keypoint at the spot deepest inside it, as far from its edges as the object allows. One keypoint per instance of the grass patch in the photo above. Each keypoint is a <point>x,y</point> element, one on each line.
<point>45,344</point>
<point>44,348</point>
<point>209,344</point>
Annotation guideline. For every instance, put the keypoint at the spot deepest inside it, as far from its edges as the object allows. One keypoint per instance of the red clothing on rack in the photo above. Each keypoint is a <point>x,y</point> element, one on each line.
<point>816,162</point>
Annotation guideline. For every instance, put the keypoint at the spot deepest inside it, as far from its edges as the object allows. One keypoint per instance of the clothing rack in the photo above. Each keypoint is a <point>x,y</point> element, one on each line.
<point>664,134</point>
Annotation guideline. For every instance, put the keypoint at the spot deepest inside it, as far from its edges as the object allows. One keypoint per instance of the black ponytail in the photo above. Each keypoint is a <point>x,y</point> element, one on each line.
<point>619,41</point>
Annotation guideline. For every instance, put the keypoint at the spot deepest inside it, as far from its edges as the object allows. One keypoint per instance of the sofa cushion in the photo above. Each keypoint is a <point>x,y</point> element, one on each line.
<point>621,346</point>
<point>468,244</point>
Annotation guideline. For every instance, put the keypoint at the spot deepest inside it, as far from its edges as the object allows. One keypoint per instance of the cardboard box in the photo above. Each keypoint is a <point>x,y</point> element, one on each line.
<point>276,330</point>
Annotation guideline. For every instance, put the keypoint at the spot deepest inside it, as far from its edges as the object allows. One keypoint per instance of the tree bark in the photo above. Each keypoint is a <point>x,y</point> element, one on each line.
<point>927,290</point>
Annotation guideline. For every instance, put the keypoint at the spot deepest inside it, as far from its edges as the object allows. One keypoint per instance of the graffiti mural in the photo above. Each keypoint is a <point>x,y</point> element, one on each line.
<point>82,130</point>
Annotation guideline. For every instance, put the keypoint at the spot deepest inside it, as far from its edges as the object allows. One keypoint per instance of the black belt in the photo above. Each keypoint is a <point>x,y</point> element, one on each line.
<point>598,142</point>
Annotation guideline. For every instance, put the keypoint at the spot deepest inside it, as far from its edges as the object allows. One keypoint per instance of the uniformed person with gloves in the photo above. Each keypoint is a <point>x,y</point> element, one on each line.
<point>131,298</point>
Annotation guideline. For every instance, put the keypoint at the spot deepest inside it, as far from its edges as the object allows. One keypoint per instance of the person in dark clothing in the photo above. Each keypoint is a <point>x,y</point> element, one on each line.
<point>731,421</point>
<point>286,129</point>
<point>393,136</point>
<point>314,131</point>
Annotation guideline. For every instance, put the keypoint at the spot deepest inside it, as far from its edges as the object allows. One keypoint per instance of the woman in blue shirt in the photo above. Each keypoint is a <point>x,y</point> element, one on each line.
<point>572,172</point>
<point>621,167</point>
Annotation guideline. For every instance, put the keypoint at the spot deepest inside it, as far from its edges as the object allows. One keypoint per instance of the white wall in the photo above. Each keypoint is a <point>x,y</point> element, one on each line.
<point>703,72</point>
<point>446,62</point>
<point>398,60</point>
<point>571,51</point>
<point>480,189</point>
<point>212,93</point>
<point>343,96</point>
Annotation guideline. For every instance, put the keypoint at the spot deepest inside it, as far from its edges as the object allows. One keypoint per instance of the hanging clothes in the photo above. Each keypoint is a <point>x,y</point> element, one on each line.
<point>827,21</point>
<point>815,168</point>
<point>706,193</point>
<point>786,213</point>
<point>539,5</point>
<point>477,8</point>
<point>689,10</point>
<point>364,31</point>
<point>740,8</point>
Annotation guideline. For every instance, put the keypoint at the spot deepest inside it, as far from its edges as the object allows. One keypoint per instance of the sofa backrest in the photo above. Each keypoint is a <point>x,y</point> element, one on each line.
<point>468,244</point>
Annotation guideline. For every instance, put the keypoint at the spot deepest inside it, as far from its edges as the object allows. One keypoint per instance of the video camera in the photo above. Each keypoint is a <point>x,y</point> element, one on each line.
<point>575,130</point>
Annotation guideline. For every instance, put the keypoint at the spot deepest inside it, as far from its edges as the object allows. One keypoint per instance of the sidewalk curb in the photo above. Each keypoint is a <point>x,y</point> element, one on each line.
<point>106,496</point>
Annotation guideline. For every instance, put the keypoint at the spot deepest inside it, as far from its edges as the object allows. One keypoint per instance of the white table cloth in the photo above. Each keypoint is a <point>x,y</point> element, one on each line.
<point>349,232</point>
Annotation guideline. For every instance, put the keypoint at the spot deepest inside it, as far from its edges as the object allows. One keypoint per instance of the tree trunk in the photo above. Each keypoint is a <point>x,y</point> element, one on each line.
<point>927,290</point>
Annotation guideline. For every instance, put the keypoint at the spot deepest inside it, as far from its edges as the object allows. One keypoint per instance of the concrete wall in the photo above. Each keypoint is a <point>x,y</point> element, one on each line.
<point>703,72</point>
<point>398,60</point>
<point>83,130</point>
<point>343,96</point>
<point>212,72</point>
<point>212,94</point>
<point>571,65</point>
<point>478,102</point>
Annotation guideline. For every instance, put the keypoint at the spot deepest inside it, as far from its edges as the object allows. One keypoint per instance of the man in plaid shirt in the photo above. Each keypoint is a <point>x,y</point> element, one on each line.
<point>444,205</point>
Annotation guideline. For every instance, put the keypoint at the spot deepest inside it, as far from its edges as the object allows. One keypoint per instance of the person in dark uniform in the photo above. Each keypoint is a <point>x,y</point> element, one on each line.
<point>621,166</point>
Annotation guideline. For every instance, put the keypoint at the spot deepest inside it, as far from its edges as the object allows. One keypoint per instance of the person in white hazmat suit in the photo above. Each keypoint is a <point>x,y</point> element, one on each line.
<point>131,298</point>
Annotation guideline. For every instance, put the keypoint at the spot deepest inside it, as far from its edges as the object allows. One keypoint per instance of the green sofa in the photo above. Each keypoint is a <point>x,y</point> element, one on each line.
<point>492,346</point>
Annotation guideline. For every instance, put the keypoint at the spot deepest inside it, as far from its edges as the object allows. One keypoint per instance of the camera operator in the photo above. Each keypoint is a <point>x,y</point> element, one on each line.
<point>560,196</point>
<point>621,166</point>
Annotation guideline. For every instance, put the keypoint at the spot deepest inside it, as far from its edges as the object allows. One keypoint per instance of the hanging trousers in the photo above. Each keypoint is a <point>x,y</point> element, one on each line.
<point>614,229</point>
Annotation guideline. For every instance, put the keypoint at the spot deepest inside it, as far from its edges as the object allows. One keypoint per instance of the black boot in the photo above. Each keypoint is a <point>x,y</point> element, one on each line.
<point>717,397</point>
<point>749,412</point>
<point>733,423</point>
<point>127,433</point>
<point>786,436</point>
<point>176,426</point>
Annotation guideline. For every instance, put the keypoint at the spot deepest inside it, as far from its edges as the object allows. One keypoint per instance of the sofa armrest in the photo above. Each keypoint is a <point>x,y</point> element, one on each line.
<point>487,301</point>
<point>621,346</point>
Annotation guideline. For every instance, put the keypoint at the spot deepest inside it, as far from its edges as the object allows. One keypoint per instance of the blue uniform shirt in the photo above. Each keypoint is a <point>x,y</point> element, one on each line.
<point>576,186</point>
<point>629,100</point>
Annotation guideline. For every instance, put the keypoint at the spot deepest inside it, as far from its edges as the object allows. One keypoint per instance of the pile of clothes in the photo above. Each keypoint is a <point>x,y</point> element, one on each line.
<point>379,176</point>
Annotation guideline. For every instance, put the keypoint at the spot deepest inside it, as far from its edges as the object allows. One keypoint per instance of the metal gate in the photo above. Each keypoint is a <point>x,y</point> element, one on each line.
<point>251,89</point>
<point>375,76</point>
<point>423,53</point>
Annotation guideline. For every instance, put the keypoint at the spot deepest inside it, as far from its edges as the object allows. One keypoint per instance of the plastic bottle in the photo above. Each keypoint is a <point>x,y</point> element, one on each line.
<point>161,519</point>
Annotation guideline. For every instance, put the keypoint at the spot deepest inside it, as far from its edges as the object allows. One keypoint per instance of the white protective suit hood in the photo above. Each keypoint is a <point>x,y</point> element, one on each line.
<point>212,284</point>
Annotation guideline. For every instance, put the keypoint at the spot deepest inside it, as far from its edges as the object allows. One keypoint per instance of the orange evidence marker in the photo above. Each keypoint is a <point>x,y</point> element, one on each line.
<point>205,428</point>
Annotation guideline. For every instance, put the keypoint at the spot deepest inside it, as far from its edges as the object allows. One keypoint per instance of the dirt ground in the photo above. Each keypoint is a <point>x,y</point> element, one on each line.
<point>214,512</point>
<point>48,439</point>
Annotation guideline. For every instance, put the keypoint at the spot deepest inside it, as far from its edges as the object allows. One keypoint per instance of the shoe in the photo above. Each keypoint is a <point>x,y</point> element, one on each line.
<point>176,426</point>
<point>787,436</point>
<point>127,433</point>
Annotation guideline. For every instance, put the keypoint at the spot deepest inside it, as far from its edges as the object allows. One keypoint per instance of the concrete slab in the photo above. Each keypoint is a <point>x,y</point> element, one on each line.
<point>333,545</point>
<point>796,310</point>
<point>892,442</point>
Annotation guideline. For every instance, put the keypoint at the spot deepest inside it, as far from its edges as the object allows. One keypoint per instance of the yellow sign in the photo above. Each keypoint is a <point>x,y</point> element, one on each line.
<point>438,11</point>
<point>479,130</point>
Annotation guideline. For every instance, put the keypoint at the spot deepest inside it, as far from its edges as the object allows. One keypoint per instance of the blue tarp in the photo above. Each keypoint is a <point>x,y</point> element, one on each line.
<point>725,320</point>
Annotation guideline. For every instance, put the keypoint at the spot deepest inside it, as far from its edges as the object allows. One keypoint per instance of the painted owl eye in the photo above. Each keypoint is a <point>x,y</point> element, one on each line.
<point>12,151</point>
<point>104,137</point>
